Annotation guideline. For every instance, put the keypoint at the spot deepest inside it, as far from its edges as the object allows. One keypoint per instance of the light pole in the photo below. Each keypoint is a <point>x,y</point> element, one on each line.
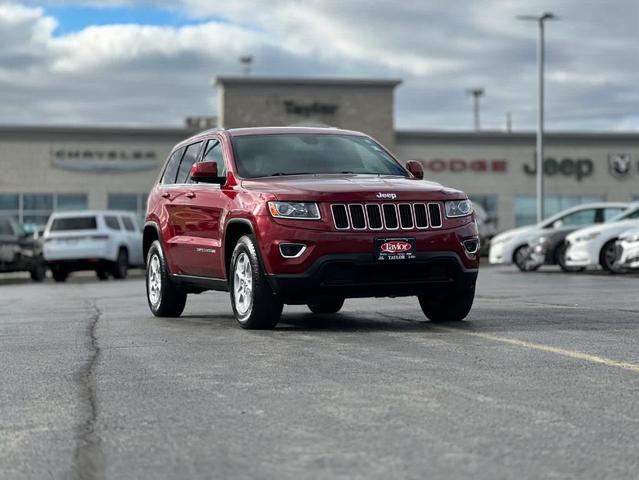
<point>476,93</point>
<point>540,19</point>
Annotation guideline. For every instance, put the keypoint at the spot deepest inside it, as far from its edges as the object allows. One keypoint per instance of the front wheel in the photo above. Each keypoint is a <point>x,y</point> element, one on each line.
<point>326,306</point>
<point>608,257</point>
<point>450,307</point>
<point>164,297</point>
<point>39,272</point>
<point>521,258</point>
<point>254,304</point>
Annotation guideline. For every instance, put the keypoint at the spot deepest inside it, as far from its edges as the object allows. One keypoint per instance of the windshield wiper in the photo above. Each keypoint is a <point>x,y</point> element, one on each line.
<point>283,174</point>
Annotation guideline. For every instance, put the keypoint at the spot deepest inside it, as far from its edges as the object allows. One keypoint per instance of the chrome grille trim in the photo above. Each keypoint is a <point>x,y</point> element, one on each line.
<point>386,227</point>
<point>348,222</point>
<point>429,211</point>
<point>353,207</point>
<point>430,218</point>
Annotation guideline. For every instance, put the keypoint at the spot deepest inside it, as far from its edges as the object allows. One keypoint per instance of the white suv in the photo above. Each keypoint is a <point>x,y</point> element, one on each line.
<point>105,241</point>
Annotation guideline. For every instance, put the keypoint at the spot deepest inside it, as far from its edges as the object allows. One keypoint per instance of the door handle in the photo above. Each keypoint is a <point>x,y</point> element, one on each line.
<point>166,195</point>
<point>190,194</point>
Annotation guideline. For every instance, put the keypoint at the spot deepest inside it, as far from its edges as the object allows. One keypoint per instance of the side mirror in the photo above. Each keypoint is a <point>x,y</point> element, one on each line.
<point>415,168</point>
<point>206,172</point>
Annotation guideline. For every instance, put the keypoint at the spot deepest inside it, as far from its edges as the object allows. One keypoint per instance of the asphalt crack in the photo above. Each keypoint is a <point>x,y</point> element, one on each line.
<point>89,458</point>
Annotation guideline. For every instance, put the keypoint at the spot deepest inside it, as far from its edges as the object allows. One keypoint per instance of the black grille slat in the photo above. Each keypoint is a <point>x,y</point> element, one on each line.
<point>374,217</point>
<point>358,220</point>
<point>390,216</point>
<point>435,215</point>
<point>421,217</point>
<point>405,216</point>
<point>340,216</point>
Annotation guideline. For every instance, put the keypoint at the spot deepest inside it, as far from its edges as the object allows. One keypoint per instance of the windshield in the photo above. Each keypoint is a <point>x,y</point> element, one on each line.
<point>298,154</point>
<point>73,223</point>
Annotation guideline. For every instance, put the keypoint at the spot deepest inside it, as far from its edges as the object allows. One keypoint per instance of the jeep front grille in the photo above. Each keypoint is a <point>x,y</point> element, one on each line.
<point>386,216</point>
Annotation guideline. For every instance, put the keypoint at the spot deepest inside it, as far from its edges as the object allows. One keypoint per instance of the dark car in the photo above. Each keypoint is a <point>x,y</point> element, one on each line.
<point>20,251</point>
<point>304,216</point>
<point>550,249</point>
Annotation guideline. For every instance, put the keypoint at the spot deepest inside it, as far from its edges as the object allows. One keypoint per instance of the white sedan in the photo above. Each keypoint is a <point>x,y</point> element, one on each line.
<point>596,246</point>
<point>511,246</point>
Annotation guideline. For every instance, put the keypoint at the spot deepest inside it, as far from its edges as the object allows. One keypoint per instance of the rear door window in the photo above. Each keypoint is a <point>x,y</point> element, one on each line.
<point>112,222</point>
<point>73,223</point>
<point>172,166</point>
<point>190,156</point>
<point>128,224</point>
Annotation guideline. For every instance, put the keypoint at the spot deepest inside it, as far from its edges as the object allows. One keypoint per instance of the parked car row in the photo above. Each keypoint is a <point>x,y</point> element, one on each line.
<point>598,235</point>
<point>108,242</point>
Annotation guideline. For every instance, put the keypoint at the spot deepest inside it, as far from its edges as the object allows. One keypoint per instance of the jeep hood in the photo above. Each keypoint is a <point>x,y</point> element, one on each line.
<point>351,188</point>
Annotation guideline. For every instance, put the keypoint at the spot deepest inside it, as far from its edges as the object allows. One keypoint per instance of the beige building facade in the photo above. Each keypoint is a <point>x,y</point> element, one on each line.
<point>58,168</point>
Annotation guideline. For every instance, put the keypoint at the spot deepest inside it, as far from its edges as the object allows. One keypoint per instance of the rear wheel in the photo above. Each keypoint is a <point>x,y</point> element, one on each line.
<point>254,304</point>
<point>60,274</point>
<point>608,257</point>
<point>326,306</point>
<point>452,306</point>
<point>560,258</point>
<point>164,297</point>
<point>121,267</point>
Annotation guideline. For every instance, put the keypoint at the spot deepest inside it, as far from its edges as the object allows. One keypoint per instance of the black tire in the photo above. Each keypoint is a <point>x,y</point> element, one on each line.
<point>560,259</point>
<point>326,306</point>
<point>120,269</point>
<point>260,309</point>
<point>608,257</point>
<point>453,306</point>
<point>102,274</point>
<point>519,258</point>
<point>60,274</point>
<point>170,299</point>
<point>39,272</point>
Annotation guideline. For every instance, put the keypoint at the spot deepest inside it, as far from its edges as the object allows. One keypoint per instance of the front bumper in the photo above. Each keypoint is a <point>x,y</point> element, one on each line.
<point>628,254</point>
<point>582,254</point>
<point>360,275</point>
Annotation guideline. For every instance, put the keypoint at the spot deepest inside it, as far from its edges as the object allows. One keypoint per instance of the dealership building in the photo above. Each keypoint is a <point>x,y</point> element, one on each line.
<point>66,168</point>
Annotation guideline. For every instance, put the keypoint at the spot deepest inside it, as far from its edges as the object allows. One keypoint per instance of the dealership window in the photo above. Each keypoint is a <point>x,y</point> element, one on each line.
<point>129,202</point>
<point>526,206</point>
<point>32,210</point>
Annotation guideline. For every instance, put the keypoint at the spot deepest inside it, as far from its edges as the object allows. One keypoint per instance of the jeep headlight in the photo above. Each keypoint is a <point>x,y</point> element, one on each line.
<point>587,237</point>
<point>294,210</point>
<point>458,208</point>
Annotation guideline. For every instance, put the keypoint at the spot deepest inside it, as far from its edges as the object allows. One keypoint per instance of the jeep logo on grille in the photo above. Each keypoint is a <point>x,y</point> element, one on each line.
<point>395,246</point>
<point>389,196</point>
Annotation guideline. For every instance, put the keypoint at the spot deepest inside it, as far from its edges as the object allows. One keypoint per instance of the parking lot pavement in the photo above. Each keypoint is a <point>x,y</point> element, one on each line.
<point>540,382</point>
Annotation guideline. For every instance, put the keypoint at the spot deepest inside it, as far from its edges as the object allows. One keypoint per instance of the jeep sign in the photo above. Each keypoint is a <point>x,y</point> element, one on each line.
<point>579,168</point>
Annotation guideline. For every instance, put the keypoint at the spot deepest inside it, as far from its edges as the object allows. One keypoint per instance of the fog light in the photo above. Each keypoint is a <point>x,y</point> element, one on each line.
<point>292,250</point>
<point>471,245</point>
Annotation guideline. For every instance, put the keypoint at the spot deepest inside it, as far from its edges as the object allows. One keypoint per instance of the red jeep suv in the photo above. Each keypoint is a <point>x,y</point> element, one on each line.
<point>309,216</point>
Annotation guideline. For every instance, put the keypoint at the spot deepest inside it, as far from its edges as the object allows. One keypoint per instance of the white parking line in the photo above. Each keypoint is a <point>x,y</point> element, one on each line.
<point>632,367</point>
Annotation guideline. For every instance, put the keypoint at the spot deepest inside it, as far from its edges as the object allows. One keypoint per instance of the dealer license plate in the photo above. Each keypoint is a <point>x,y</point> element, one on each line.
<point>395,249</point>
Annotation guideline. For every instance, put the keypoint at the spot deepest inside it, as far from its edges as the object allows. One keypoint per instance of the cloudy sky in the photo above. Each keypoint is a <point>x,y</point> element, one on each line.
<point>150,62</point>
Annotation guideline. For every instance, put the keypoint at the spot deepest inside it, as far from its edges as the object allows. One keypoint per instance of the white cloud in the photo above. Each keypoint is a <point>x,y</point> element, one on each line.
<point>137,74</point>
